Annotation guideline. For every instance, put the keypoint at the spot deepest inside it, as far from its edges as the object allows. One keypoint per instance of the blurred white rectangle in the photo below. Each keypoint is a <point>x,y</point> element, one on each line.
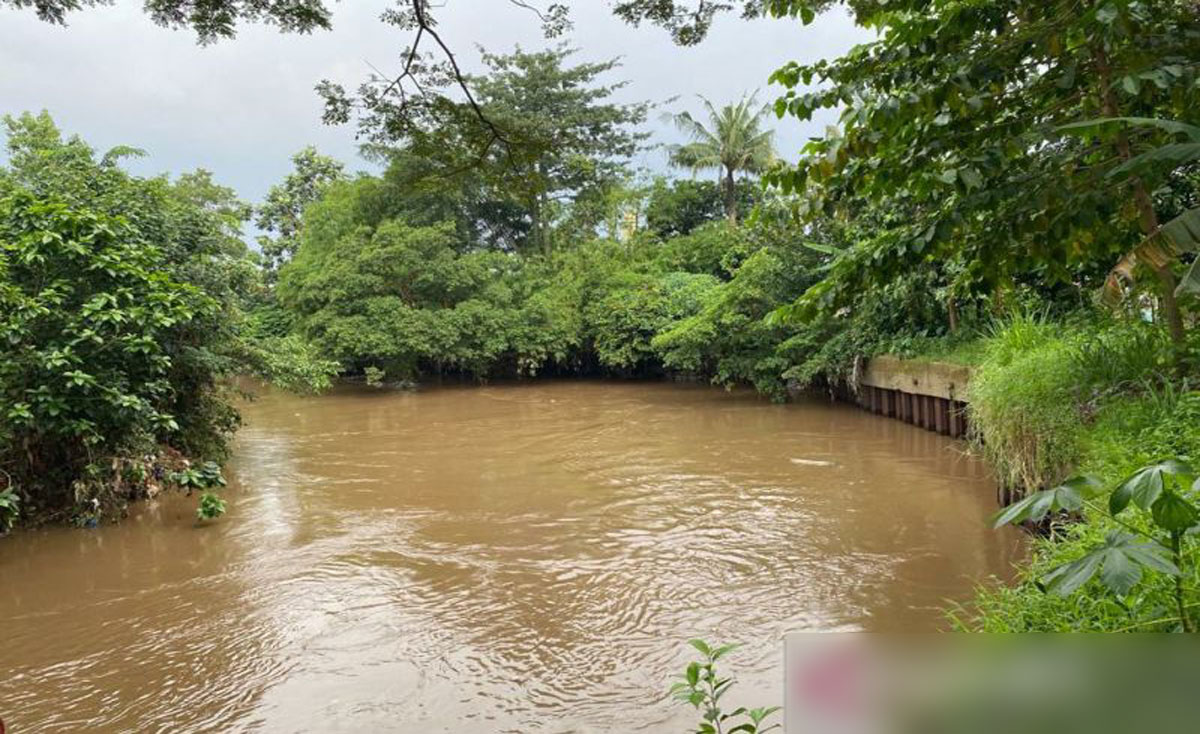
<point>974,684</point>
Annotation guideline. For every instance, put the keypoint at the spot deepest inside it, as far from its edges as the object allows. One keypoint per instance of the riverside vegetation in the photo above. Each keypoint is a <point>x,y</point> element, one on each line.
<point>1011,184</point>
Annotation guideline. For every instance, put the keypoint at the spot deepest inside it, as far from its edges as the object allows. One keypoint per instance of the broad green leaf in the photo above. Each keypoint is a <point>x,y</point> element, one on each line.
<point>1184,230</point>
<point>1119,572</point>
<point>724,650</point>
<point>1067,497</point>
<point>1093,127</point>
<point>1190,284</point>
<point>1068,577</point>
<point>1152,556</point>
<point>1119,561</point>
<point>1169,156</point>
<point>1173,513</point>
<point>1144,486</point>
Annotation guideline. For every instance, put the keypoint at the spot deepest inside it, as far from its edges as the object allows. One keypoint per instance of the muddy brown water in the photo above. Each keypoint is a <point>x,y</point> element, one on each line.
<point>508,558</point>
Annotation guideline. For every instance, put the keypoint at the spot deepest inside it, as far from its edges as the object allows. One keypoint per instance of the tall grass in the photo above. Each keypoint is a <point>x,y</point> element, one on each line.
<point>1024,416</point>
<point>1098,396</point>
<point>1040,384</point>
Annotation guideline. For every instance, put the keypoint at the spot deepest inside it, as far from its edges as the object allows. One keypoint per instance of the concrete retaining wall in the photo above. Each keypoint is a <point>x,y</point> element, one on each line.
<point>926,394</point>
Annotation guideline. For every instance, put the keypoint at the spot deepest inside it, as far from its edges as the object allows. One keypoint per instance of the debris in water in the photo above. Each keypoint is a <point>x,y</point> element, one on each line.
<point>812,462</point>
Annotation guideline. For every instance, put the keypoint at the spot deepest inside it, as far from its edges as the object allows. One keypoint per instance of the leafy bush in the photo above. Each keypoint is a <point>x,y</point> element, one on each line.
<point>121,311</point>
<point>211,506</point>
<point>90,322</point>
<point>10,509</point>
<point>702,686</point>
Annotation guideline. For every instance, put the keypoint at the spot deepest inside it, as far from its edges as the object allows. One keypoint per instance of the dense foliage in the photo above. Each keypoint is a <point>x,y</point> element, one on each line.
<point>120,314</point>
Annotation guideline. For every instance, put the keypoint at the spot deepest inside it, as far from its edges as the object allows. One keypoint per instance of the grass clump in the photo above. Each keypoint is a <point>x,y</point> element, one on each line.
<point>1041,385</point>
<point>1099,397</point>
<point>1025,419</point>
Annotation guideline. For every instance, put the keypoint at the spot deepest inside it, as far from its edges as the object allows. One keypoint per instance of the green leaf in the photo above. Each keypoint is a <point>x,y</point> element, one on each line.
<point>1184,231</point>
<point>1067,497</point>
<point>1168,156</point>
<point>1068,577</point>
<point>1145,485</point>
<point>1131,85</point>
<point>1173,513</point>
<point>693,674</point>
<point>1190,284</point>
<point>1119,561</point>
<point>1090,128</point>
<point>971,178</point>
<point>723,650</point>
<point>1119,572</point>
<point>701,646</point>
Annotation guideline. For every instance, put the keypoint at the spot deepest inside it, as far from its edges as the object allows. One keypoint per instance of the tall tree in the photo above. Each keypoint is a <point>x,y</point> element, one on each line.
<point>282,213</point>
<point>563,143</point>
<point>953,117</point>
<point>732,142</point>
<point>572,141</point>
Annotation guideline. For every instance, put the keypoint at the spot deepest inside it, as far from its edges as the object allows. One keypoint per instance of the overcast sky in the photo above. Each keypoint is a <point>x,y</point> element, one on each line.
<point>241,107</point>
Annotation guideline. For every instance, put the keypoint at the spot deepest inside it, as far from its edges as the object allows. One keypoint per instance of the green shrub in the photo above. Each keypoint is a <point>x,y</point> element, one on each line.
<point>1127,411</point>
<point>121,312</point>
<point>90,324</point>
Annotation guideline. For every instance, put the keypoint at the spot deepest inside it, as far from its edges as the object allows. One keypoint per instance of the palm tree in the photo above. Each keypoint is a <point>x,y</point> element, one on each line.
<point>733,141</point>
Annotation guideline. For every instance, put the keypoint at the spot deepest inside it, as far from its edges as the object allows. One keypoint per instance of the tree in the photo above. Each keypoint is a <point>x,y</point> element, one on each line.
<point>733,142</point>
<point>121,302</point>
<point>282,213</point>
<point>676,208</point>
<point>210,19</point>
<point>689,21</point>
<point>1179,235</point>
<point>571,142</point>
<point>953,117</point>
<point>565,143</point>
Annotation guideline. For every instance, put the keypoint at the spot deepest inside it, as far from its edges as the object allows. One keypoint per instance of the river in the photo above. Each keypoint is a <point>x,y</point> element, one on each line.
<point>528,557</point>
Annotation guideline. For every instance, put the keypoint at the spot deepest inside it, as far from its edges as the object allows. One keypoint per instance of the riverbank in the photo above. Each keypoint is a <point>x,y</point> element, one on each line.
<point>1048,400</point>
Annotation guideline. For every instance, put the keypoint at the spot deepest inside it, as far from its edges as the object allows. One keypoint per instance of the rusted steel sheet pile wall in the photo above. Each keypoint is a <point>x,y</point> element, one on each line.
<point>926,394</point>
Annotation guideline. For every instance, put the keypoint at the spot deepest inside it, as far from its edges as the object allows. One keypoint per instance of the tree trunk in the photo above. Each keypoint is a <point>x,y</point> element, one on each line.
<point>1147,217</point>
<point>730,191</point>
